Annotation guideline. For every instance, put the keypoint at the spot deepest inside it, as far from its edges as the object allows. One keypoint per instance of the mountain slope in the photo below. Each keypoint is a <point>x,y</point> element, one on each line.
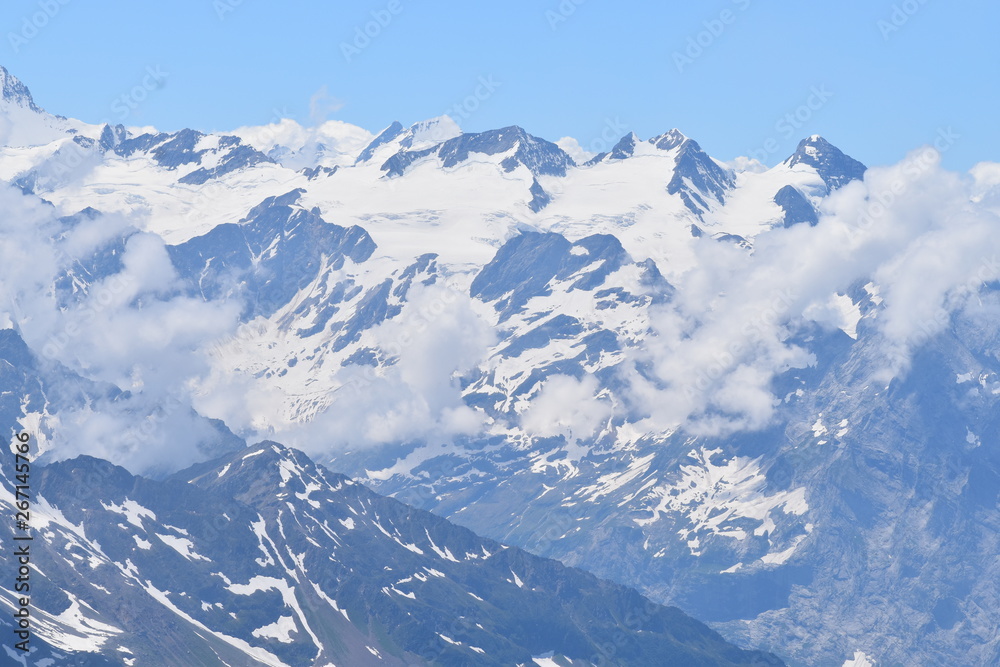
<point>23,123</point>
<point>264,558</point>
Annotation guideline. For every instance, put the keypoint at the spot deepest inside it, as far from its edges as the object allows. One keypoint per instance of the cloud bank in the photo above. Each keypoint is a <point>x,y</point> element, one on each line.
<point>926,239</point>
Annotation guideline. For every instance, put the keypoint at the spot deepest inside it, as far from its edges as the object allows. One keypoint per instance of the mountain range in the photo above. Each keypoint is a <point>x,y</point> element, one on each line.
<point>756,394</point>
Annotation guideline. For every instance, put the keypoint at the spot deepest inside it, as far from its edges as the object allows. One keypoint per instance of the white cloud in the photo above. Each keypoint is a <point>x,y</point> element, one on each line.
<point>437,338</point>
<point>133,329</point>
<point>742,163</point>
<point>296,146</point>
<point>568,407</point>
<point>322,104</point>
<point>913,228</point>
<point>573,148</point>
<point>417,396</point>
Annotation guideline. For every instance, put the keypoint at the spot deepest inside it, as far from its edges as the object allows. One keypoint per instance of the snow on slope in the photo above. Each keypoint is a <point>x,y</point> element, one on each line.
<point>24,124</point>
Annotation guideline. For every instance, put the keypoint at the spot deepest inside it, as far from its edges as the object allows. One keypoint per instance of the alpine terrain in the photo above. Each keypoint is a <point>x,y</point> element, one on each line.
<point>765,396</point>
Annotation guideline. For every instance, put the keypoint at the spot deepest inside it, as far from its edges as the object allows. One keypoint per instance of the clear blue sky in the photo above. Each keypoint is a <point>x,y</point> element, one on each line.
<point>607,63</point>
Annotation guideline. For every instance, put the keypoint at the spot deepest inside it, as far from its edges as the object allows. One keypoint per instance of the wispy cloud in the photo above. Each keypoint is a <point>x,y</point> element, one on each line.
<point>322,104</point>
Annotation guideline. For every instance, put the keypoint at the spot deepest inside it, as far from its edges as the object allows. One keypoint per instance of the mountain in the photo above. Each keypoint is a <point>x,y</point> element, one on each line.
<point>187,147</point>
<point>275,252</point>
<point>23,123</point>
<point>384,137</point>
<point>15,93</point>
<point>796,206</point>
<point>516,147</point>
<point>696,177</point>
<point>263,558</point>
<point>712,382</point>
<point>835,167</point>
<point>50,400</point>
<point>419,136</point>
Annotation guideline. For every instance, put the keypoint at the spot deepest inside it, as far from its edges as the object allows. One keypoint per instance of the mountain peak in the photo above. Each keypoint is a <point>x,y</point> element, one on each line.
<point>814,144</point>
<point>13,90</point>
<point>420,136</point>
<point>625,148</point>
<point>835,167</point>
<point>669,140</point>
<point>696,174</point>
<point>387,135</point>
<point>434,130</point>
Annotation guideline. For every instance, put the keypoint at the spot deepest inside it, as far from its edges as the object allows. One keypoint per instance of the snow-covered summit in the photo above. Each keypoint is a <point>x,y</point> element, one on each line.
<point>419,136</point>
<point>835,167</point>
<point>13,91</point>
<point>23,123</point>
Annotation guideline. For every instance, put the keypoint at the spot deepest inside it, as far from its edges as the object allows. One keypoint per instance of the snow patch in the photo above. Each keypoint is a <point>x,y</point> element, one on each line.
<point>133,512</point>
<point>715,498</point>
<point>860,660</point>
<point>281,630</point>
<point>183,546</point>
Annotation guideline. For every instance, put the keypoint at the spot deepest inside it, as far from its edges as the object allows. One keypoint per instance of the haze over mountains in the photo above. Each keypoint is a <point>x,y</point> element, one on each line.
<point>765,396</point>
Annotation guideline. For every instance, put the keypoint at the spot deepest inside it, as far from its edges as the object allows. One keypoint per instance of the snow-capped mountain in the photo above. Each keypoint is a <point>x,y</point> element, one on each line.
<point>23,123</point>
<point>835,167</point>
<point>263,558</point>
<point>763,395</point>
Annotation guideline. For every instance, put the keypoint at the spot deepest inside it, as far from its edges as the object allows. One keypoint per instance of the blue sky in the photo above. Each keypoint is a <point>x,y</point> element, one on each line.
<point>876,77</point>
